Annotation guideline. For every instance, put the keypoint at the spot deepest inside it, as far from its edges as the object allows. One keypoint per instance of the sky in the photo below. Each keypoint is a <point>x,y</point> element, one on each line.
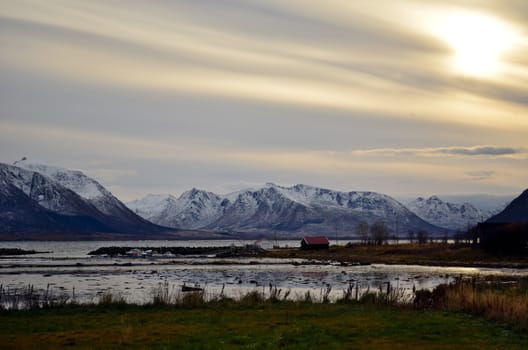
<point>400,97</point>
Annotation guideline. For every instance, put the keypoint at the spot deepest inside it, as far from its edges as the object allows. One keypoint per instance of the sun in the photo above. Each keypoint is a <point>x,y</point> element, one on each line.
<point>478,42</point>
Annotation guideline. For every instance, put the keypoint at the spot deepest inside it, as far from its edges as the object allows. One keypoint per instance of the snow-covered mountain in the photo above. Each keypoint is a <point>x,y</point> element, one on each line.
<point>193,209</point>
<point>487,203</point>
<point>81,184</point>
<point>272,208</point>
<point>20,214</point>
<point>446,214</point>
<point>51,193</point>
<point>151,205</point>
<point>45,192</point>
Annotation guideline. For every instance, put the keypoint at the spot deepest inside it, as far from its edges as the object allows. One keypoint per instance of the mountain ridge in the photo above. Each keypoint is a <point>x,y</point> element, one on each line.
<point>294,210</point>
<point>68,200</point>
<point>446,214</point>
<point>516,211</point>
<point>25,191</point>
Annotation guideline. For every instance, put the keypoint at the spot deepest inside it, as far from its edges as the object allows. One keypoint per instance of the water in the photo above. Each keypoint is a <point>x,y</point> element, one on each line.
<point>66,268</point>
<point>67,249</point>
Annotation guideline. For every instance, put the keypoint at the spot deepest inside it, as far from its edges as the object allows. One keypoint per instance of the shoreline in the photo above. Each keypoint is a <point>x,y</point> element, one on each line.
<point>429,254</point>
<point>407,254</point>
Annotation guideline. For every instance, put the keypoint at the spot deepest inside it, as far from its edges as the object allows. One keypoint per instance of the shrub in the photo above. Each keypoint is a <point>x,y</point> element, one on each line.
<point>109,298</point>
<point>252,298</point>
<point>192,300</point>
<point>161,295</point>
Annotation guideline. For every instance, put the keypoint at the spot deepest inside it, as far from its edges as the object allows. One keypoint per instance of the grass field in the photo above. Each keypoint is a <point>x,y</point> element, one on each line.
<point>415,254</point>
<point>284,325</point>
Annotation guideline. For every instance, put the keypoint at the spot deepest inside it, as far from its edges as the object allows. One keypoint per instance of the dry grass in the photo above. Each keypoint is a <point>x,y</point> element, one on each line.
<point>28,298</point>
<point>499,300</point>
<point>494,302</point>
<point>109,298</point>
<point>416,254</point>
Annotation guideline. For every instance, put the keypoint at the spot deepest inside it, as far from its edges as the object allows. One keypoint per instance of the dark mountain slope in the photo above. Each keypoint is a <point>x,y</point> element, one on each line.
<point>516,211</point>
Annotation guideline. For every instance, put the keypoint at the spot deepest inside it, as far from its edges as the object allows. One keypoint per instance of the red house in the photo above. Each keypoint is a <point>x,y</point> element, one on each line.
<point>315,243</point>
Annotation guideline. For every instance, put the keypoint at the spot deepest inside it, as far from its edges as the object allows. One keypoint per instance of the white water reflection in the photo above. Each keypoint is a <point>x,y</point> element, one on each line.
<point>69,268</point>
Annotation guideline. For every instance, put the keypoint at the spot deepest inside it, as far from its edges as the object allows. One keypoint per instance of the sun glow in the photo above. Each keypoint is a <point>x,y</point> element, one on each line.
<point>478,41</point>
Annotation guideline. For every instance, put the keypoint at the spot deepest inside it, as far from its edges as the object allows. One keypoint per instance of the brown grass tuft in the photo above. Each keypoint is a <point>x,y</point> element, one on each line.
<point>503,301</point>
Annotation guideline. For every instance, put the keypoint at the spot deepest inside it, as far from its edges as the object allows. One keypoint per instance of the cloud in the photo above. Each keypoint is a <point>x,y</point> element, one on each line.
<point>479,151</point>
<point>250,91</point>
<point>480,175</point>
<point>344,56</point>
<point>457,151</point>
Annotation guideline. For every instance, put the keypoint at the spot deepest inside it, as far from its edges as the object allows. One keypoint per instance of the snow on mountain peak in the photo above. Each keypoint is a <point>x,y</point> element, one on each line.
<point>43,190</point>
<point>81,184</point>
<point>151,204</point>
<point>192,209</point>
<point>88,205</point>
<point>198,194</point>
<point>445,214</point>
<point>74,180</point>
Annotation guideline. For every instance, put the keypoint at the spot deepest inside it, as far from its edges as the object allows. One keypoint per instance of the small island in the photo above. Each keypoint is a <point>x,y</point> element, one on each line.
<point>17,251</point>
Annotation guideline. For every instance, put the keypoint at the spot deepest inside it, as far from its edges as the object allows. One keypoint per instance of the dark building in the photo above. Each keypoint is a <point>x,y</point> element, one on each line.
<point>315,243</point>
<point>506,232</point>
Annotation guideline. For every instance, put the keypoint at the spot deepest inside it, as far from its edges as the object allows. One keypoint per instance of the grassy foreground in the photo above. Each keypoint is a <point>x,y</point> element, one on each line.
<point>284,325</point>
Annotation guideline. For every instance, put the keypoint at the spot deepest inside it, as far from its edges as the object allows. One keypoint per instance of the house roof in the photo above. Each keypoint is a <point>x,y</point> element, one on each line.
<point>316,240</point>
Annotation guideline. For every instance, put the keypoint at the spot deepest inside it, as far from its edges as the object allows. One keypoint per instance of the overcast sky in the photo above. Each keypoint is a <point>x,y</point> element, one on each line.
<point>398,97</point>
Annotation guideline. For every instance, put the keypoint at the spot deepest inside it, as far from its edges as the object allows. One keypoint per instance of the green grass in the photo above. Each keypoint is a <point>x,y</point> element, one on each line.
<point>284,325</point>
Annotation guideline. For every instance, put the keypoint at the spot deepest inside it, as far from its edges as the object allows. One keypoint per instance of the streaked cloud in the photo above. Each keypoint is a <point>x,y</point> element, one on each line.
<point>481,174</point>
<point>459,151</point>
<point>305,91</point>
<point>372,67</point>
<point>480,150</point>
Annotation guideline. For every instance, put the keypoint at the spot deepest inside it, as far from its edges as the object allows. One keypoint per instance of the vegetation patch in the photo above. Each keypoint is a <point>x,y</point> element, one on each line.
<point>500,299</point>
<point>285,325</point>
<point>469,314</point>
<point>439,254</point>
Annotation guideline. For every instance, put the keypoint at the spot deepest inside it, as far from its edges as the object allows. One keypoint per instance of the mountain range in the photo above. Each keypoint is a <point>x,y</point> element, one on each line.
<point>289,211</point>
<point>37,198</point>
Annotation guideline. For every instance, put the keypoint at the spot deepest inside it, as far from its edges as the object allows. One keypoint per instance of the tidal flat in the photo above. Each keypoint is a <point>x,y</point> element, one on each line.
<point>68,268</point>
